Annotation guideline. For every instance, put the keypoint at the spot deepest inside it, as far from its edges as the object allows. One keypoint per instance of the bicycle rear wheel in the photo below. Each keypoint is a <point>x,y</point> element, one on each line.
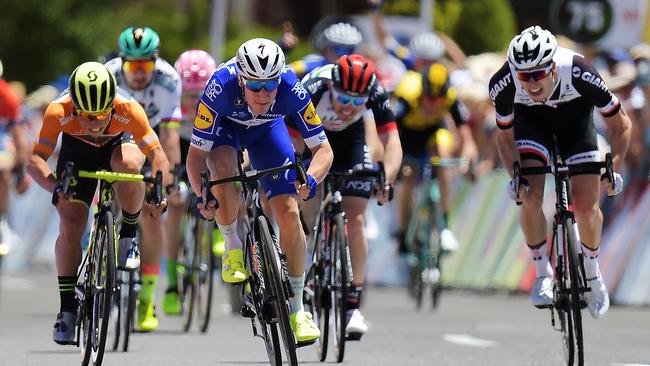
<point>117,316</point>
<point>278,285</point>
<point>132,280</point>
<point>575,304</point>
<point>102,285</point>
<point>340,281</point>
<point>203,267</point>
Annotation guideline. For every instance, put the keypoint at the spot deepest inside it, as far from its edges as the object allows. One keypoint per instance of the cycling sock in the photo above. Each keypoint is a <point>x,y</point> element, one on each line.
<point>230,235</point>
<point>297,285</point>
<point>591,262</point>
<point>171,267</point>
<point>66,292</point>
<point>445,220</point>
<point>148,288</point>
<point>129,224</point>
<point>354,296</point>
<point>539,254</point>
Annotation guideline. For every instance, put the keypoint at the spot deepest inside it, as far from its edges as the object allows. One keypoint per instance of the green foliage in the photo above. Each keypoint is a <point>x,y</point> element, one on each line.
<point>486,25</point>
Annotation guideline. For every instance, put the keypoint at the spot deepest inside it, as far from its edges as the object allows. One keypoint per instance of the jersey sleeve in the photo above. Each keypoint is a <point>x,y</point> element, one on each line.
<point>502,93</point>
<point>50,130</point>
<point>401,52</point>
<point>139,127</point>
<point>379,103</point>
<point>459,113</point>
<point>208,111</point>
<point>301,109</point>
<point>9,104</point>
<point>171,115</point>
<point>590,85</point>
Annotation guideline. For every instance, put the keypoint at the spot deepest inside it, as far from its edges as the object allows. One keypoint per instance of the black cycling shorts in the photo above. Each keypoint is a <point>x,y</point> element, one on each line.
<point>571,122</point>
<point>87,157</point>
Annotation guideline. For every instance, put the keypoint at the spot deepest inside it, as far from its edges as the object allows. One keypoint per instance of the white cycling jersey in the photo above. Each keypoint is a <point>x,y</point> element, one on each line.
<point>161,99</point>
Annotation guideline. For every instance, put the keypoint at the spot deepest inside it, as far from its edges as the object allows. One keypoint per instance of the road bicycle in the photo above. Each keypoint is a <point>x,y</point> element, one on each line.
<point>96,283</point>
<point>423,239</point>
<point>330,274</point>
<point>266,292</point>
<point>569,282</point>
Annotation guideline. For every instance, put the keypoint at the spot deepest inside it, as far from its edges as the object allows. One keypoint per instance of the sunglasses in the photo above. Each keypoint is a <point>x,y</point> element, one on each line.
<point>135,65</point>
<point>97,116</point>
<point>536,75</point>
<point>347,99</point>
<point>257,85</point>
<point>340,50</point>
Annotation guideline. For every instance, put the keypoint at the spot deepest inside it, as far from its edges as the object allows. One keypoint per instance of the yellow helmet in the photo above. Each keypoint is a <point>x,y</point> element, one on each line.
<point>92,87</point>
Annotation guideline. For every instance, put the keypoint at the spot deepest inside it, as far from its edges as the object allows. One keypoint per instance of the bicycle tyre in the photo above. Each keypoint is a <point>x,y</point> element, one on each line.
<point>203,266</point>
<point>322,301</point>
<point>186,278</point>
<point>104,285</point>
<point>435,254</point>
<point>340,281</point>
<point>576,284</point>
<point>278,282</point>
<point>117,317</point>
<point>129,320</point>
<point>260,296</point>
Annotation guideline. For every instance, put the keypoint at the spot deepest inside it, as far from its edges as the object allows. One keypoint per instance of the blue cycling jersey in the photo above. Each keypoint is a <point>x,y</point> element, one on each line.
<point>223,101</point>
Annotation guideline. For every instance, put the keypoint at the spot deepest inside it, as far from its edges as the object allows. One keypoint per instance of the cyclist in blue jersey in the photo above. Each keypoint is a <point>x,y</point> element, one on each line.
<point>243,105</point>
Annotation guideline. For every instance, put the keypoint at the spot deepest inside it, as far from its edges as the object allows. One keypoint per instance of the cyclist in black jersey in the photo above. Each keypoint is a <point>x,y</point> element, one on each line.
<point>346,93</point>
<point>545,90</point>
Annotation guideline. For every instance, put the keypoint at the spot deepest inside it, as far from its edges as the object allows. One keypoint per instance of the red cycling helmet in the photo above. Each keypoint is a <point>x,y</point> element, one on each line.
<point>195,68</point>
<point>354,75</point>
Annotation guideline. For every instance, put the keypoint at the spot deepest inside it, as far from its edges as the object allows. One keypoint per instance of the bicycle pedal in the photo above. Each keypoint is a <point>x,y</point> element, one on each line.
<point>305,343</point>
<point>353,336</point>
<point>549,306</point>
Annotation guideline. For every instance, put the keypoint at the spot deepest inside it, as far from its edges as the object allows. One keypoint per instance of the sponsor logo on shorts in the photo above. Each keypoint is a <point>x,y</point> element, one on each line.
<point>198,142</point>
<point>358,185</point>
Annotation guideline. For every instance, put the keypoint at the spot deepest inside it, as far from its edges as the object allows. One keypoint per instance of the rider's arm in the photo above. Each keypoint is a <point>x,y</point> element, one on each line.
<point>37,166</point>
<point>502,93</point>
<point>620,128</point>
<point>387,130</point>
<point>21,143</point>
<point>159,163</point>
<point>608,105</point>
<point>460,114</point>
<point>392,153</point>
<point>452,50</point>
<point>321,161</point>
<point>507,148</point>
<point>170,141</point>
<point>195,165</point>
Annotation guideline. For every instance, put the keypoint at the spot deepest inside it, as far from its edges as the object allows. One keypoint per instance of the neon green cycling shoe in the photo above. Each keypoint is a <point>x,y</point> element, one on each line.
<point>304,328</point>
<point>147,320</point>
<point>172,302</point>
<point>218,243</point>
<point>232,266</point>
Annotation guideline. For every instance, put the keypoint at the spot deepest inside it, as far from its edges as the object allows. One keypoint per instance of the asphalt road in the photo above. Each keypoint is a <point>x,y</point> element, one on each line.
<point>469,328</point>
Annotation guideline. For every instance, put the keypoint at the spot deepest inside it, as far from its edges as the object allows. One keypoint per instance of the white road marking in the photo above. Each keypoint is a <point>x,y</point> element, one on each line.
<point>15,283</point>
<point>468,340</point>
<point>630,364</point>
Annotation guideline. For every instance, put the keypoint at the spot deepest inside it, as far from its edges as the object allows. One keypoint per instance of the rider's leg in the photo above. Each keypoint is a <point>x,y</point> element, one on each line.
<point>176,207</point>
<point>355,209</point>
<point>533,221</point>
<point>5,180</point>
<point>404,195</point>
<point>585,191</point>
<point>73,219</point>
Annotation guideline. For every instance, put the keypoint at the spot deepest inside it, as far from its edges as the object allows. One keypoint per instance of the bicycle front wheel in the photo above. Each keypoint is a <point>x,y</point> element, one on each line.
<point>101,287</point>
<point>186,288</point>
<point>278,282</point>
<point>340,281</point>
<point>575,304</point>
<point>202,268</point>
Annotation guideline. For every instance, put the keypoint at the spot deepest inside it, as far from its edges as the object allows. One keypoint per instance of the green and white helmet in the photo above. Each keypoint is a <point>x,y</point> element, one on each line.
<point>138,43</point>
<point>92,87</point>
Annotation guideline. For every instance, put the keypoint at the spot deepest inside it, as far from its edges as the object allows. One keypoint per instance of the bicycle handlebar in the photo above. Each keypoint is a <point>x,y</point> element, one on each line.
<point>562,169</point>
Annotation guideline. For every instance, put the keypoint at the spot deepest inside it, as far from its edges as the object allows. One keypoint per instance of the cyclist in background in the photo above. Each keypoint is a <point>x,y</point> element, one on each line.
<point>423,49</point>
<point>544,90</point>
<point>244,104</point>
<point>195,67</point>
<point>344,93</point>
<point>334,41</point>
<point>155,84</point>
<point>13,157</point>
<point>425,100</point>
<point>91,115</point>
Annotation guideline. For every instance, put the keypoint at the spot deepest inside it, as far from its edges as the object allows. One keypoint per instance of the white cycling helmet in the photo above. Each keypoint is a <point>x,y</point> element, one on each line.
<point>427,46</point>
<point>533,47</point>
<point>340,35</point>
<point>259,58</point>
<point>1,70</point>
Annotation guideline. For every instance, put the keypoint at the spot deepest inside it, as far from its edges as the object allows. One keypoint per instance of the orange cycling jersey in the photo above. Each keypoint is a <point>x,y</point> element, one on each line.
<point>9,104</point>
<point>127,116</point>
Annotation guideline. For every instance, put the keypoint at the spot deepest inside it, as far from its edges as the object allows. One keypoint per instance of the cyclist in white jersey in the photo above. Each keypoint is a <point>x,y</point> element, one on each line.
<point>156,85</point>
<point>545,90</point>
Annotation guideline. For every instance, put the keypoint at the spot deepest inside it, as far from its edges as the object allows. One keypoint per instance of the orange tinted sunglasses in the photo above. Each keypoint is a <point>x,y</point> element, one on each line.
<point>135,65</point>
<point>99,116</point>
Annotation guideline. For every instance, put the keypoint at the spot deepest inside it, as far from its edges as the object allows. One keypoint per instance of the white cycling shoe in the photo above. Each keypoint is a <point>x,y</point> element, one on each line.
<point>542,293</point>
<point>598,298</point>
<point>448,241</point>
<point>357,326</point>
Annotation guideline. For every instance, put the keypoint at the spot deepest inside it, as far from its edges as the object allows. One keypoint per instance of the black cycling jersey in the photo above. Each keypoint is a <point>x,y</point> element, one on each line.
<point>567,113</point>
<point>576,79</point>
